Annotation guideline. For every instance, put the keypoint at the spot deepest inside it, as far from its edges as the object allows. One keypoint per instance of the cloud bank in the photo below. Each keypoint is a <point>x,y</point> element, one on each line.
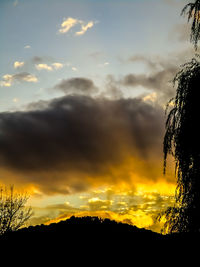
<point>74,141</point>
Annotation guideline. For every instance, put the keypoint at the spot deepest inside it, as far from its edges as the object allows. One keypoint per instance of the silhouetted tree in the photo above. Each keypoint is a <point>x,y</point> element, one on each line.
<point>182,141</point>
<point>192,10</point>
<point>13,213</point>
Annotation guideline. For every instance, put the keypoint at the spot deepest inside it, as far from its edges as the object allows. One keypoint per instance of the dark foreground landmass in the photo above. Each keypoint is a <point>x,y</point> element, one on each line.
<point>94,236</point>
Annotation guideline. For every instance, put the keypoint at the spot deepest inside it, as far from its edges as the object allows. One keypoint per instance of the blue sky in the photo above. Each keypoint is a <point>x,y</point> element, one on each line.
<point>121,29</point>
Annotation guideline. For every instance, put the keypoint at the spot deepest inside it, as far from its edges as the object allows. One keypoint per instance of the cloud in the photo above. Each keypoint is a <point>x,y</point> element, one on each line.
<point>104,64</point>
<point>42,59</point>
<point>18,64</point>
<point>75,142</point>
<point>159,82</point>
<point>151,63</point>
<point>74,69</point>
<point>67,24</point>
<point>9,79</point>
<point>137,207</point>
<point>70,22</point>
<point>158,63</point>
<point>113,89</point>
<point>132,207</point>
<point>161,72</point>
<point>77,85</point>
<point>150,97</point>
<point>27,47</point>
<point>99,204</point>
<point>57,65</point>
<point>152,81</point>
<point>84,28</point>
<point>24,76</point>
<point>50,212</point>
<point>180,32</point>
<point>138,218</point>
<point>37,59</point>
<point>43,66</point>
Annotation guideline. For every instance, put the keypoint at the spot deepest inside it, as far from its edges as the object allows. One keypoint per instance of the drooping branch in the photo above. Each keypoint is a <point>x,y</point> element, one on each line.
<point>182,141</point>
<point>192,10</point>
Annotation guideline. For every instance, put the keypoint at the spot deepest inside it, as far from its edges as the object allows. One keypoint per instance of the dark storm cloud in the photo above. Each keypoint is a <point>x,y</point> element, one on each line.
<point>77,85</point>
<point>74,130</point>
<point>78,134</point>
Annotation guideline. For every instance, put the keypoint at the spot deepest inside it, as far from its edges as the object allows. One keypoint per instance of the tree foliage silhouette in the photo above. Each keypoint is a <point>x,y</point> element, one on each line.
<point>182,138</point>
<point>192,10</point>
<point>13,213</point>
<point>182,141</point>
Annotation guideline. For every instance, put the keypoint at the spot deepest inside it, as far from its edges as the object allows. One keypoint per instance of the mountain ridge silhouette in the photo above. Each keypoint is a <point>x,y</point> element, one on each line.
<point>96,236</point>
<point>80,226</point>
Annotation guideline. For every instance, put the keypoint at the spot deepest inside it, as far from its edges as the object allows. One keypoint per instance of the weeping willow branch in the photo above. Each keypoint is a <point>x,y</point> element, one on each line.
<point>192,10</point>
<point>182,141</point>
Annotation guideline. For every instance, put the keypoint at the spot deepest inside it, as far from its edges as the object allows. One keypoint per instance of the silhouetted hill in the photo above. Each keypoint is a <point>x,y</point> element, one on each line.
<point>86,235</point>
<point>92,228</point>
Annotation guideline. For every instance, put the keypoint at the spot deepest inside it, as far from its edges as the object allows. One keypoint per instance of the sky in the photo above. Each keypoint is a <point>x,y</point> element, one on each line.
<point>83,90</point>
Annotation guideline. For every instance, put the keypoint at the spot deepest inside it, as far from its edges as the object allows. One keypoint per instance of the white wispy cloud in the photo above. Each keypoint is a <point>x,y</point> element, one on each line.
<point>43,66</point>
<point>84,28</point>
<point>74,69</point>
<point>57,65</point>
<point>9,79</point>
<point>5,83</point>
<point>67,24</point>
<point>104,64</point>
<point>53,66</point>
<point>18,64</point>
<point>70,22</point>
<point>29,78</point>
<point>27,46</point>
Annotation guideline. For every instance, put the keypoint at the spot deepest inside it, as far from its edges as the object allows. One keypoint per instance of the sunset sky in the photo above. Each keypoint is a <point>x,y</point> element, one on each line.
<point>83,90</point>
